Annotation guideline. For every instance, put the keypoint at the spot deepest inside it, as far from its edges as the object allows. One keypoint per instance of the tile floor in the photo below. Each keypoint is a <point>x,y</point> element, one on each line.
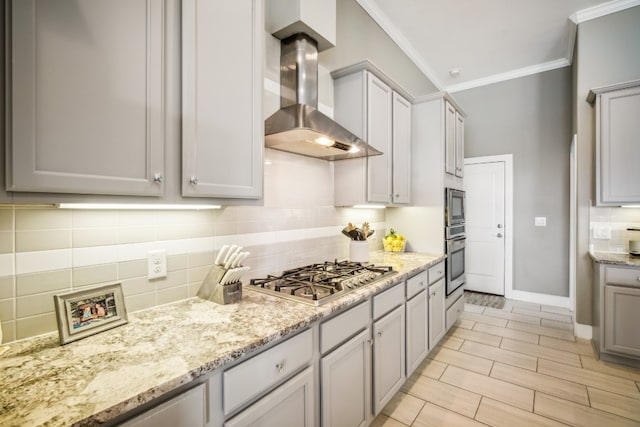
<point>515,367</point>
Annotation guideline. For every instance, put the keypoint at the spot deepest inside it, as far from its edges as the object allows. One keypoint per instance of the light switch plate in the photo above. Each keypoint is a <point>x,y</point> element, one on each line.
<point>540,221</point>
<point>157,264</point>
<point>601,232</point>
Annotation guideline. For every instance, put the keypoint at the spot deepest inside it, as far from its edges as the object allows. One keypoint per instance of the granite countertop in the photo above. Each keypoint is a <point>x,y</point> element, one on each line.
<point>98,378</point>
<point>616,258</point>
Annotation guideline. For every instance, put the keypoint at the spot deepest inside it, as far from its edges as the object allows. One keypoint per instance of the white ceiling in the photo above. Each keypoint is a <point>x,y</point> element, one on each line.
<point>487,40</point>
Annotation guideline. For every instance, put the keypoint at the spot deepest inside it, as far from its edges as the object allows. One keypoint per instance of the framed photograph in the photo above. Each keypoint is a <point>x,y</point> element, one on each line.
<point>89,311</point>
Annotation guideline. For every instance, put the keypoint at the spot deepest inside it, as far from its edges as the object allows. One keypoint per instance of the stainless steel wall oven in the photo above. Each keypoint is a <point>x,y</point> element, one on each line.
<point>455,238</point>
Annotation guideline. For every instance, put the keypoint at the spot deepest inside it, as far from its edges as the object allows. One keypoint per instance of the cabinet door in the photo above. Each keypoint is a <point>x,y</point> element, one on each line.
<point>86,97</point>
<point>346,383</point>
<point>621,320</point>
<point>437,327</point>
<point>401,149</point>
<point>449,138</point>
<point>379,135</point>
<point>417,330</point>
<point>291,404</point>
<point>185,410</point>
<point>459,145</point>
<point>618,149</point>
<point>222,125</point>
<point>388,357</point>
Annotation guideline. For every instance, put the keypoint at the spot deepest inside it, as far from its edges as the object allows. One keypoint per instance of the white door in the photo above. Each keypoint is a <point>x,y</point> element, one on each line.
<point>484,184</point>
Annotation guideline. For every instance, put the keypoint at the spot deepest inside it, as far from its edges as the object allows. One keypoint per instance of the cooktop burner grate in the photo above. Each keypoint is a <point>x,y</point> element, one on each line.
<point>319,283</point>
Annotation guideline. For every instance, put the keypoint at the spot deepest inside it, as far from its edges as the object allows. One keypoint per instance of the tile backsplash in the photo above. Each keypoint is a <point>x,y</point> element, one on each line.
<point>45,251</point>
<point>609,225</point>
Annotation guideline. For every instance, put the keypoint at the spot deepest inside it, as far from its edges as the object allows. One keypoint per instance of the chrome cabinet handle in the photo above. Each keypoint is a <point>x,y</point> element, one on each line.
<point>380,333</point>
<point>499,235</point>
<point>421,284</point>
<point>193,180</point>
<point>499,225</point>
<point>280,367</point>
<point>157,177</point>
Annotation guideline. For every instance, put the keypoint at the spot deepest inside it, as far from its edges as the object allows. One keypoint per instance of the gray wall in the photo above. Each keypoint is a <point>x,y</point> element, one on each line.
<point>607,52</point>
<point>359,37</point>
<point>530,117</point>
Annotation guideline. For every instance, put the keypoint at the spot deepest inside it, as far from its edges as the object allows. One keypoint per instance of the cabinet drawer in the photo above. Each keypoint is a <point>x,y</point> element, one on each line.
<point>343,326</point>
<point>387,301</point>
<point>416,284</point>
<point>436,272</point>
<point>454,312</point>
<point>251,378</point>
<point>622,276</point>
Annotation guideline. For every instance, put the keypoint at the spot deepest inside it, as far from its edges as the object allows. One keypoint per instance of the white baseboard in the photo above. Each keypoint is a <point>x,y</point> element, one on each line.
<point>583,331</point>
<point>538,298</point>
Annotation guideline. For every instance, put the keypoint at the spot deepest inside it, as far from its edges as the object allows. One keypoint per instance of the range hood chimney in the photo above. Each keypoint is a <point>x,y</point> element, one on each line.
<point>298,127</point>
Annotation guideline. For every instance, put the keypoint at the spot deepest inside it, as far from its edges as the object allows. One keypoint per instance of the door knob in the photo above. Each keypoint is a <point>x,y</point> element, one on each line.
<point>499,235</point>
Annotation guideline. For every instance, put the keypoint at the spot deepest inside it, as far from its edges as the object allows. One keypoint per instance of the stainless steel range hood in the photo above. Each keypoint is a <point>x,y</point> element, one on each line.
<point>298,127</point>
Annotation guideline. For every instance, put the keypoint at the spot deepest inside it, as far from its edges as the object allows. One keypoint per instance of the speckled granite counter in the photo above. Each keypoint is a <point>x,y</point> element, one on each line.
<point>98,378</point>
<point>616,258</point>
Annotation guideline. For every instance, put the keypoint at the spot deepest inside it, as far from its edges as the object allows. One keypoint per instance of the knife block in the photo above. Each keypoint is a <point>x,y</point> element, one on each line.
<point>211,289</point>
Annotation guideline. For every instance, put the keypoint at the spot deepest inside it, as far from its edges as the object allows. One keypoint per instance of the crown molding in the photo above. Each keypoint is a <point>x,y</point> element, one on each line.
<point>513,74</point>
<point>392,31</point>
<point>602,10</point>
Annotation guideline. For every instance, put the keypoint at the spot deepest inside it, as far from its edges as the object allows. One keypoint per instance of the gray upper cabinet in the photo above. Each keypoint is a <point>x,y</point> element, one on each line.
<point>222,124</point>
<point>454,141</point>
<point>617,145</point>
<point>85,97</point>
<point>373,110</point>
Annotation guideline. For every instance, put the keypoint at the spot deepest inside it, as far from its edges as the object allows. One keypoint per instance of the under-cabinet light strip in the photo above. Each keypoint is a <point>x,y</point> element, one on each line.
<point>133,206</point>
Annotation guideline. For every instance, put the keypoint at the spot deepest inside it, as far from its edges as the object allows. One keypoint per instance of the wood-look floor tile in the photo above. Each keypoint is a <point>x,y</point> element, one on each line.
<point>511,304</point>
<point>473,308</point>
<point>544,315</point>
<point>451,342</point>
<point>385,421</point>
<point>557,310</point>
<point>592,364</point>
<point>558,325</point>
<point>540,382</point>
<point>507,333</point>
<point>577,415</point>
<point>435,416</point>
<point>466,324</point>
<point>541,330</point>
<point>599,380</point>
<point>502,391</point>
<point>579,347</point>
<point>463,360</point>
<point>497,414</point>
<point>445,395</point>
<point>534,320</point>
<point>431,368</point>
<point>499,355</point>
<point>614,403</point>
<point>404,408</point>
<point>484,319</point>
<point>536,350</point>
<point>477,336</point>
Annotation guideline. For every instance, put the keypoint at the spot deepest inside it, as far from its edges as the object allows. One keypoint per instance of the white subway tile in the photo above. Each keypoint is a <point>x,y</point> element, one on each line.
<point>31,262</point>
<point>7,264</point>
<point>83,257</point>
<point>201,244</point>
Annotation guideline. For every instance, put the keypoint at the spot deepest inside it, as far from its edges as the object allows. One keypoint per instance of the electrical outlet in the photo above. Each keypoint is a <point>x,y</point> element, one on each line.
<point>157,264</point>
<point>601,232</point>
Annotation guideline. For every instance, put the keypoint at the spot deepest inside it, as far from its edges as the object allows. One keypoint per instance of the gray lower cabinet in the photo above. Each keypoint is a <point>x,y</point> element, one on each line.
<point>388,357</point>
<point>617,148</point>
<point>185,410</point>
<point>417,307</point>
<point>346,383</point>
<point>291,404</point>
<point>616,335</point>
<point>621,320</point>
<point>222,124</point>
<point>86,93</point>
<point>437,324</point>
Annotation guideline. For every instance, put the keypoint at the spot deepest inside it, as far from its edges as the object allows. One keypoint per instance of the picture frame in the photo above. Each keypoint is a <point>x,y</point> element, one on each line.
<point>89,311</point>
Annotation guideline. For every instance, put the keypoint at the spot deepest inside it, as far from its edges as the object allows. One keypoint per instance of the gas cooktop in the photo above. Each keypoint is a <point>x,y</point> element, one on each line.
<point>320,283</point>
